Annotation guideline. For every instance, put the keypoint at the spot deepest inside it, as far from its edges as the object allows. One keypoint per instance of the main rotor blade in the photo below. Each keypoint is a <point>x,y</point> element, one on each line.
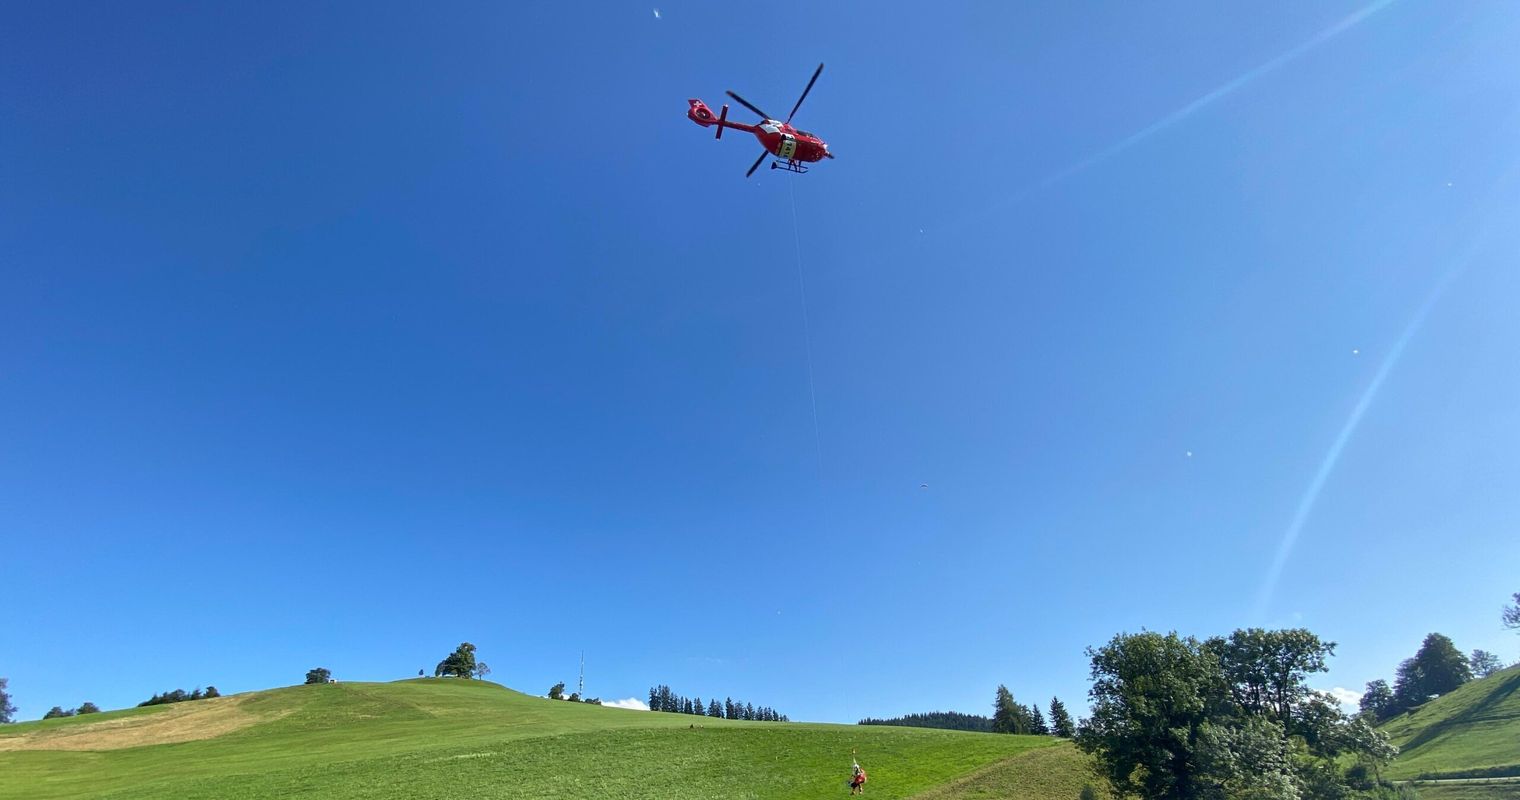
<point>809,88</point>
<point>747,105</point>
<point>756,165</point>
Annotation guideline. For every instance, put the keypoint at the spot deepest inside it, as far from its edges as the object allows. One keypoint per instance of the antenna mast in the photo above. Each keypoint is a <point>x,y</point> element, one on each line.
<point>580,687</point>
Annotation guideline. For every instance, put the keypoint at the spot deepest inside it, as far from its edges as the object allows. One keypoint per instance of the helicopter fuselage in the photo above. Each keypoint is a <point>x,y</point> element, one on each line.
<point>778,138</point>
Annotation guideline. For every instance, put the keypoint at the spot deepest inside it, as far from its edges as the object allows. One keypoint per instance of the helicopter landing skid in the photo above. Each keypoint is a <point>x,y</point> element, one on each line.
<point>789,166</point>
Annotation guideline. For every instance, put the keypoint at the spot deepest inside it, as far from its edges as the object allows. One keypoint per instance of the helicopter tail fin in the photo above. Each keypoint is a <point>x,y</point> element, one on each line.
<point>701,114</point>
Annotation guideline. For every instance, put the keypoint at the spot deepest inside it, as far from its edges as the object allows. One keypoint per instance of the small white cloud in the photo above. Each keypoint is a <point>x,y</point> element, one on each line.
<point>656,16</point>
<point>1190,454</point>
<point>632,703</point>
<point>1346,697</point>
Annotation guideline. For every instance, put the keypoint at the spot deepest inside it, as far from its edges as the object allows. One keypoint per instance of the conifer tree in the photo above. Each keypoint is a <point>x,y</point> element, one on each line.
<point>1037,721</point>
<point>1060,721</point>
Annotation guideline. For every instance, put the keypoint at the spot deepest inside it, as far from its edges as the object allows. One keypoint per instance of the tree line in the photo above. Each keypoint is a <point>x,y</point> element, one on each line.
<point>1435,669</point>
<point>180,696</point>
<point>58,711</point>
<point>1009,716</point>
<point>661,698</point>
<point>944,720</point>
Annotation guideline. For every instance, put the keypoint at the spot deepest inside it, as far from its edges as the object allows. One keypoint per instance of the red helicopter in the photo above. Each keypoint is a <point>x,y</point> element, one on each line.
<point>779,139</point>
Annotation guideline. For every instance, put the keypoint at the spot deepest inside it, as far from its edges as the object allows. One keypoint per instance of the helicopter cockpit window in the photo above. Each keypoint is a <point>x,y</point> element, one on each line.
<point>805,133</point>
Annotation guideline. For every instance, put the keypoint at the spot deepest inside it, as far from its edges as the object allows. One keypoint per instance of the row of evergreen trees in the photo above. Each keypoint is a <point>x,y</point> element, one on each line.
<point>1009,716</point>
<point>662,699</point>
<point>945,720</point>
<point>180,696</point>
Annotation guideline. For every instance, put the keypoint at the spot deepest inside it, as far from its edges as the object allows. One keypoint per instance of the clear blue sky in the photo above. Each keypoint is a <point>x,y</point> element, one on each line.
<point>336,334</point>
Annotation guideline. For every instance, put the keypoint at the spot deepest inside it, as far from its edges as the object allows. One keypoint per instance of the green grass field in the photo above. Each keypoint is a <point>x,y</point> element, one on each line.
<point>449,739</point>
<point>1471,732</point>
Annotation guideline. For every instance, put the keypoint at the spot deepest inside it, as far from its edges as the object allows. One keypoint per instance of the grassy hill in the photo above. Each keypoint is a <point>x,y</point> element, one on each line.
<point>1471,732</point>
<point>449,739</point>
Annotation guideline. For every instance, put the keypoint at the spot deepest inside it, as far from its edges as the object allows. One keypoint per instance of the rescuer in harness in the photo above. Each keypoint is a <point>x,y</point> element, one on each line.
<point>857,779</point>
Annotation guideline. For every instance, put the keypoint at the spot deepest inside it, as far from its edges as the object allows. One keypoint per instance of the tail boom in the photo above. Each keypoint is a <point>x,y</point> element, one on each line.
<point>699,113</point>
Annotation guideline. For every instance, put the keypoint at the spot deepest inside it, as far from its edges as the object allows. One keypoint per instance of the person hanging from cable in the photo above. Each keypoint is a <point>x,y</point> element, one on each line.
<point>857,776</point>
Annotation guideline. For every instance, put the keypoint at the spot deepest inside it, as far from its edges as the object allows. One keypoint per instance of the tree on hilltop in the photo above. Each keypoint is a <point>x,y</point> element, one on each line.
<point>88,708</point>
<point>459,664</point>
<point>57,712</point>
<point>1060,720</point>
<point>1007,717</point>
<point>714,708</point>
<point>1436,668</point>
<point>557,691</point>
<point>318,675</point>
<point>481,670</point>
<point>1484,663</point>
<point>1511,615</point>
<point>1377,700</point>
<point>7,710</point>
<point>1037,722</point>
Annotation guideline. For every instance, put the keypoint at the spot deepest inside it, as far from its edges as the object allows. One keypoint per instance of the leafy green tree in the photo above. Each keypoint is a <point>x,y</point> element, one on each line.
<point>57,712</point>
<point>1227,719</point>
<point>88,708</point>
<point>1377,700</point>
<point>1060,720</point>
<point>1408,687</point>
<point>318,675</point>
<point>481,670</point>
<point>195,694</point>
<point>1370,746</point>
<point>1484,663</point>
<point>7,709</point>
<point>1247,760</point>
<point>557,692</point>
<point>575,697</point>
<point>211,692</point>
<point>714,708</point>
<point>1511,614</point>
<point>1437,668</point>
<point>1266,670</point>
<point>1152,695</point>
<point>459,664</point>
<point>1444,665</point>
